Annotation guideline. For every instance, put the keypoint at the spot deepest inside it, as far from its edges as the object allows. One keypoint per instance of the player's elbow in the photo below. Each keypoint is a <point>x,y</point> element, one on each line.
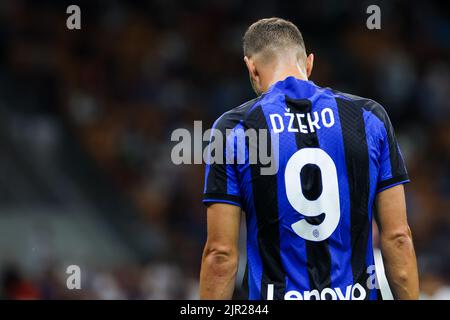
<point>221,259</point>
<point>400,238</point>
<point>399,257</point>
<point>396,244</point>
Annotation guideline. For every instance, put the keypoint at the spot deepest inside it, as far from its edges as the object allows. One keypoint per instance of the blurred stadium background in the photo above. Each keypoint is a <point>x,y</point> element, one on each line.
<point>86,118</point>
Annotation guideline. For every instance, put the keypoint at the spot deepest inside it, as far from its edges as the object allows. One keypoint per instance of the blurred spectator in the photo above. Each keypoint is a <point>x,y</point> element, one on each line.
<point>15,286</point>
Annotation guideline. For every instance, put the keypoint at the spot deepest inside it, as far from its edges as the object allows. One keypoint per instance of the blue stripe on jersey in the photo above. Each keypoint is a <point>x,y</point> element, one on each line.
<point>341,270</point>
<point>232,183</point>
<point>371,123</point>
<point>254,262</point>
<point>385,171</point>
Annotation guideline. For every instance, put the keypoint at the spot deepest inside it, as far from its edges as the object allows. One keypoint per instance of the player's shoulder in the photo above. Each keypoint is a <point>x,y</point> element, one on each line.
<point>233,117</point>
<point>359,102</point>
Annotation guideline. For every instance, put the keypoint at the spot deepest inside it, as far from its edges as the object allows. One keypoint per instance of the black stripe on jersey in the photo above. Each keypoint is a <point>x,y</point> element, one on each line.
<point>379,296</point>
<point>222,196</point>
<point>397,165</point>
<point>392,181</point>
<point>357,162</point>
<point>318,253</point>
<point>265,196</point>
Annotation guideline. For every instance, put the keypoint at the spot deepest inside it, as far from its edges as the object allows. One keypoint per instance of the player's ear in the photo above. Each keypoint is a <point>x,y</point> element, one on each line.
<point>309,64</point>
<point>251,67</point>
<point>253,74</point>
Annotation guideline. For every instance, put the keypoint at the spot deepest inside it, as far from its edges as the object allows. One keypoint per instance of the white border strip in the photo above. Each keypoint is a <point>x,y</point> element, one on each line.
<point>386,292</point>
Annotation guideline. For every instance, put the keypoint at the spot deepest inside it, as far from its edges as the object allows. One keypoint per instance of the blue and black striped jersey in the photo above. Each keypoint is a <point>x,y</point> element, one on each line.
<point>309,226</point>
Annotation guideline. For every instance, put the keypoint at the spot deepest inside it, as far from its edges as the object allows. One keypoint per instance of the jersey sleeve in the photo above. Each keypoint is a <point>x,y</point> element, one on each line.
<point>392,169</point>
<point>221,178</point>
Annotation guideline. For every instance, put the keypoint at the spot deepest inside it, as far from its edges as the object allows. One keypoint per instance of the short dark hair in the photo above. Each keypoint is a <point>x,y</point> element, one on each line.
<point>272,34</point>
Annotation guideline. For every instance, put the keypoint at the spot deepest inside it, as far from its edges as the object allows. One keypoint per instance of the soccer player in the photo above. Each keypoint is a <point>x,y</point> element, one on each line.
<point>309,230</point>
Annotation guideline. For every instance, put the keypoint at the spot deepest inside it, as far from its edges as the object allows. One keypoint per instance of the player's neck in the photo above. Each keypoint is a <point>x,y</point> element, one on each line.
<point>281,74</point>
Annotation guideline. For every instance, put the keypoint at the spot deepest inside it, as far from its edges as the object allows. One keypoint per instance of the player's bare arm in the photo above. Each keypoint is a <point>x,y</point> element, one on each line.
<point>221,252</point>
<point>396,244</point>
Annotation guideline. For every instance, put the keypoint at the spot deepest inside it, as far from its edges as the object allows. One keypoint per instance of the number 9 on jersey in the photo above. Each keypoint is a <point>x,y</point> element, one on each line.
<point>328,201</point>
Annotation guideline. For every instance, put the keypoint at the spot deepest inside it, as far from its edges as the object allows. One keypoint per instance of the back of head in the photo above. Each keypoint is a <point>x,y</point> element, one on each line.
<point>271,36</point>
